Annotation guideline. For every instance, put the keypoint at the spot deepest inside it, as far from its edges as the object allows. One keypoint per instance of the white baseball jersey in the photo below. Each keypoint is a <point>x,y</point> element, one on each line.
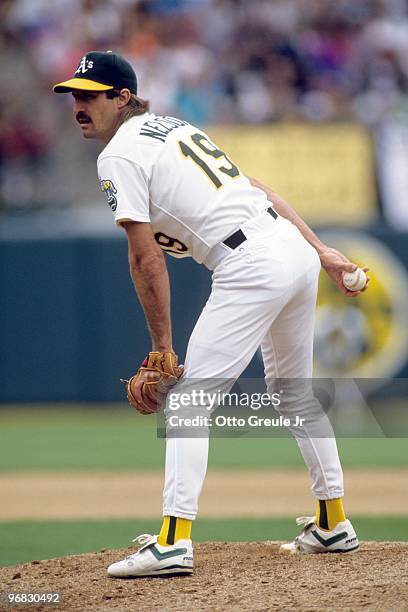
<point>167,172</point>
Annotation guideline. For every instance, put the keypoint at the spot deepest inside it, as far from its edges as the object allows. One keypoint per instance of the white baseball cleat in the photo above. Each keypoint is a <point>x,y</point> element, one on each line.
<point>341,539</point>
<point>153,559</point>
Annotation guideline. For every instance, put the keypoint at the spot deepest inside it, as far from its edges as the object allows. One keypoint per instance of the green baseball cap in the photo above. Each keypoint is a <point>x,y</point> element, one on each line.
<point>100,71</point>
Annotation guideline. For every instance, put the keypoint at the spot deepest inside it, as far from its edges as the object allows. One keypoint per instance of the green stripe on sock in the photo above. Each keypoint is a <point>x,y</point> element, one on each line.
<point>323,520</point>
<point>172,530</point>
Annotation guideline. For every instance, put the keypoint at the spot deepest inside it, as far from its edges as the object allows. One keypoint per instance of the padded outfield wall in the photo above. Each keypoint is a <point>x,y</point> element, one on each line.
<point>71,324</point>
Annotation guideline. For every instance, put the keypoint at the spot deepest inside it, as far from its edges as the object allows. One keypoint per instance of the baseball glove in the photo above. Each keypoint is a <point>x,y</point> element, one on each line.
<point>153,380</point>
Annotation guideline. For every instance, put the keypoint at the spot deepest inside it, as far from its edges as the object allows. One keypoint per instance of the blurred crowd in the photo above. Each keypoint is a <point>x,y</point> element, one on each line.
<point>209,61</point>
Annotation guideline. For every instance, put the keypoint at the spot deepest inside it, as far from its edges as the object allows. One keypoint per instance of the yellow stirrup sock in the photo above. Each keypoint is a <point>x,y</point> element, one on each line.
<point>173,529</point>
<point>329,513</point>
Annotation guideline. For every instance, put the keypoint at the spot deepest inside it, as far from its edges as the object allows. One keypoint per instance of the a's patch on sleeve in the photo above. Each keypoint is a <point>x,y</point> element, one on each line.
<point>126,188</point>
<point>110,192</point>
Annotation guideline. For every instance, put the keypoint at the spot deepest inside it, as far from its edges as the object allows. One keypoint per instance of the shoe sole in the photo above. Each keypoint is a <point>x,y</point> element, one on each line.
<point>164,573</point>
<point>296,551</point>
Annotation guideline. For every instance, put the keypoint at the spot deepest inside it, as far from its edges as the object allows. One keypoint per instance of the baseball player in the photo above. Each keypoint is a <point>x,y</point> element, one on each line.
<point>172,189</point>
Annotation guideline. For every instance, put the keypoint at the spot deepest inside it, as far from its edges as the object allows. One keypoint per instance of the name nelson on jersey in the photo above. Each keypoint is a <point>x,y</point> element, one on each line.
<point>160,127</point>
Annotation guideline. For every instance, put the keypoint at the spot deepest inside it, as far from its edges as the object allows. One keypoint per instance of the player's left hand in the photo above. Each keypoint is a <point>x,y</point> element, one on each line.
<point>335,264</point>
<point>153,380</point>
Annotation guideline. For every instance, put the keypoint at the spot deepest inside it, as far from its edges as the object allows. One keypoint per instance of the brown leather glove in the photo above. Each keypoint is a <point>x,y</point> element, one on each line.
<point>149,386</point>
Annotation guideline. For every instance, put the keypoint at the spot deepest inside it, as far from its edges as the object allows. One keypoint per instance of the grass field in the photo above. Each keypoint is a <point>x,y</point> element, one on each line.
<point>43,540</point>
<point>116,437</point>
<point>109,438</point>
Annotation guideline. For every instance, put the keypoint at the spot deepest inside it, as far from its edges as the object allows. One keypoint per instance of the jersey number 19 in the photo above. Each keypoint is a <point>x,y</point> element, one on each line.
<point>210,150</point>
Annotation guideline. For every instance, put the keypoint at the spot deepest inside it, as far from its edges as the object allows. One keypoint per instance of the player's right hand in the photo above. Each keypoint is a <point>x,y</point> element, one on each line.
<point>335,264</point>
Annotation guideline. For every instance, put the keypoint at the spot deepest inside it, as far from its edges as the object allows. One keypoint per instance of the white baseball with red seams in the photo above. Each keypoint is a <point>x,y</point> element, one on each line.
<point>355,281</point>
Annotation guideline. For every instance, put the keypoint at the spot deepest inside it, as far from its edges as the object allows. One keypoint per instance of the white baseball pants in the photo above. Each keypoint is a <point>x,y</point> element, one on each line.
<point>263,294</point>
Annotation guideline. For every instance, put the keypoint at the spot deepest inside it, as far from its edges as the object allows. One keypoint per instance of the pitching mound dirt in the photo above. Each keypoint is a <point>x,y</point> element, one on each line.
<point>228,576</point>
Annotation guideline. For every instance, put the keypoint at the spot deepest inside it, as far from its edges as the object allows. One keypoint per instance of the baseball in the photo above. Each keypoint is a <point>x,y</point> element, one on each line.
<point>355,281</point>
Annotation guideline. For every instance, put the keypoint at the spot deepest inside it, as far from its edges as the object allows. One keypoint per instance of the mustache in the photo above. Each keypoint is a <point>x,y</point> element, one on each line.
<point>81,116</point>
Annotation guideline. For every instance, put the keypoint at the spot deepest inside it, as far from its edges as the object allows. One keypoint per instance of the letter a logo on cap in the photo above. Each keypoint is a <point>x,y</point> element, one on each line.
<point>84,65</point>
<point>98,71</point>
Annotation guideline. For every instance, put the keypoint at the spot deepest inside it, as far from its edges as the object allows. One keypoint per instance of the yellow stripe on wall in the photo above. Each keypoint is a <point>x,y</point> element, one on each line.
<point>325,171</point>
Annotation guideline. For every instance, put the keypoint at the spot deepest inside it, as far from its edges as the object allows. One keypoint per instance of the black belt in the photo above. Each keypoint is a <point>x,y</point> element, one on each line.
<point>239,237</point>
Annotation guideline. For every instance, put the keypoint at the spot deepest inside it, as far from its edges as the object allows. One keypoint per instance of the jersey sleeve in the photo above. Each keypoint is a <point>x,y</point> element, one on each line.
<point>125,185</point>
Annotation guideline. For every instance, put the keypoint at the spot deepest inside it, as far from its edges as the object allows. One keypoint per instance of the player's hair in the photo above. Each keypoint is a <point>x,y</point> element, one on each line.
<point>136,106</point>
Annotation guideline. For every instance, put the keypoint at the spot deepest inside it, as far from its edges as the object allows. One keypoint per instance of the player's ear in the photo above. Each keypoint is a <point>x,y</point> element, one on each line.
<point>123,98</point>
